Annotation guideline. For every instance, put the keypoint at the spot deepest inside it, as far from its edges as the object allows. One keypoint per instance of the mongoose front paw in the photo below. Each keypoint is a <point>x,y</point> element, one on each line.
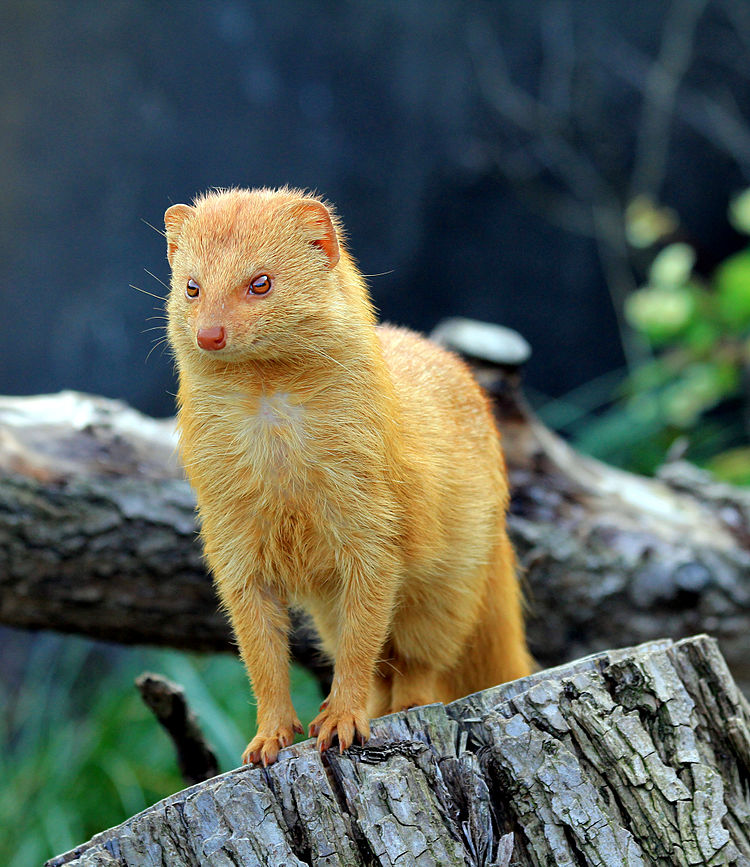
<point>342,722</point>
<point>265,746</point>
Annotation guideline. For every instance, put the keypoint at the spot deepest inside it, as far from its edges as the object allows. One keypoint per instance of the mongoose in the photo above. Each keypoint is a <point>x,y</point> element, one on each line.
<point>348,468</point>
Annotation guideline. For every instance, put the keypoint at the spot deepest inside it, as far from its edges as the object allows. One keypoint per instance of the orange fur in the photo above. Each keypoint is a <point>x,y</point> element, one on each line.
<point>351,469</point>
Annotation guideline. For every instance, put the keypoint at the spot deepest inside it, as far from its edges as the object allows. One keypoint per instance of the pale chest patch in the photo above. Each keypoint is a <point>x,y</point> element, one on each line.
<point>279,412</point>
<point>271,433</point>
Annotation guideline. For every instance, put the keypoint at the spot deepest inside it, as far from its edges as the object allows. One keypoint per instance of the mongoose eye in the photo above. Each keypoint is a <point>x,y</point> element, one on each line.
<point>261,285</point>
<point>192,290</point>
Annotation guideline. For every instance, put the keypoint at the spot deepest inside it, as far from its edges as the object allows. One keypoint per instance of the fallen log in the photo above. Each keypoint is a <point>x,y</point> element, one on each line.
<point>98,530</point>
<point>97,533</point>
<point>629,757</point>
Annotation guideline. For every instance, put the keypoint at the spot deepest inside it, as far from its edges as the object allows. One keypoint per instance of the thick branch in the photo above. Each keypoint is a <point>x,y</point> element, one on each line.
<point>97,536</point>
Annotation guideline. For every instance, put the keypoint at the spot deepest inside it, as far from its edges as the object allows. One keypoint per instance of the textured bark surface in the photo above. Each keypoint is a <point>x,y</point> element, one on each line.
<point>98,530</point>
<point>631,757</point>
<point>97,536</point>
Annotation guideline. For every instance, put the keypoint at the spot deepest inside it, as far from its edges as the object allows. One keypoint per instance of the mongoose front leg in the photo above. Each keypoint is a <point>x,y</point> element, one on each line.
<point>364,620</point>
<point>261,624</point>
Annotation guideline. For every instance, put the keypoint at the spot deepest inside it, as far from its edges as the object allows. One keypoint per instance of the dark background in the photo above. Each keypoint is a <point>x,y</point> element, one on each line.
<point>466,146</point>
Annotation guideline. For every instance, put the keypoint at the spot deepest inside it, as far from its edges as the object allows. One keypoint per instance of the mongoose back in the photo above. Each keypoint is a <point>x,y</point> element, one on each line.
<point>351,469</point>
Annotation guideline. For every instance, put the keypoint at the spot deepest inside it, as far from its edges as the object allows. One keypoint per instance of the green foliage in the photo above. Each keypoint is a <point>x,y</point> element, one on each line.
<point>696,332</point>
<point>81,752</point>
<point>733,292</point>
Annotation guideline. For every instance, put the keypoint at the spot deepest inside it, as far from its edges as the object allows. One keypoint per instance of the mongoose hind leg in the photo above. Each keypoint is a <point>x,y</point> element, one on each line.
<point>379,703</point>
<point>415,684</point>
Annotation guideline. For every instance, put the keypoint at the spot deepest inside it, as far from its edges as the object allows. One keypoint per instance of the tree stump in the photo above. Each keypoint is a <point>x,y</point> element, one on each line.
<point>628,757</point>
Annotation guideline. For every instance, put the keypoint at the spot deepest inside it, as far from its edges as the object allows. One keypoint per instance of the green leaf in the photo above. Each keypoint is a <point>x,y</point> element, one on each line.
<point>701,387</point>
<point>732,466</point>
<point>672,266</point>
<point>646,222</point>
<point>732,282</point>
<point>650,375</point>
<point>702,336</point>
<point>739,212</point>
<point>660,313</point>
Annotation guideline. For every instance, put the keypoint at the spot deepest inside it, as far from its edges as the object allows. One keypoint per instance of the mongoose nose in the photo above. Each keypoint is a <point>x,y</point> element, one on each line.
<point>212,338</point>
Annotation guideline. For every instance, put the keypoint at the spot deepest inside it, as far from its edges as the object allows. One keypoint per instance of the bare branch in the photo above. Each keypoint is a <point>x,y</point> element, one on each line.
<point>167,701</point>
<point>720,124</point>
<point>559,58</point>
<point>660,94</point>
<point>515,105</point>
<point>95,542</point>
<point>592,206</point>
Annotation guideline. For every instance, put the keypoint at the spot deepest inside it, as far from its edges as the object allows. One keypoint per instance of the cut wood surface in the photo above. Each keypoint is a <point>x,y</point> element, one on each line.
<point>629,757</point>
<point>97,536</point>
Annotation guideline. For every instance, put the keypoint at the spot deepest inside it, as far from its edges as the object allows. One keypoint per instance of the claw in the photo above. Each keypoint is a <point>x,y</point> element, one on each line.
<point>264,748</point>
<point>343,724</point>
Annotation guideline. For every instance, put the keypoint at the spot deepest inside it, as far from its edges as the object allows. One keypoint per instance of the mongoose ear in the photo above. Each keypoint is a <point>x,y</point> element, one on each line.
<point>319,228</point>
<point>174,217</point>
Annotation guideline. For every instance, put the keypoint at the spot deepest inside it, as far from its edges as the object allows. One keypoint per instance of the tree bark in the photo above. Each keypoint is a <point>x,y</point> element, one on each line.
<point>98,530</point>
<point>97,536</point>
<point>629,757</point>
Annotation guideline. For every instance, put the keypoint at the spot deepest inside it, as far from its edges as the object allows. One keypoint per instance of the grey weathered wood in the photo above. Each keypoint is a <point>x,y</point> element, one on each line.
<point>98,529</point>
<point>629,757</point>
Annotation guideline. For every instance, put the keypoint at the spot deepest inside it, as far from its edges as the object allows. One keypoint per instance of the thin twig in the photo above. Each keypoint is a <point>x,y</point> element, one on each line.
<point>660,96</point>
<point>720,124</point>
<point>167,701</point>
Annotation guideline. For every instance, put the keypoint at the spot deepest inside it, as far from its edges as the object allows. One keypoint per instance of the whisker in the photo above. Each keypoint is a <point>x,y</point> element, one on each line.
<point>158,231</point>
<point>381,274</point>
<point>158,279</point>
<point>138,289</point>
<point>161,342</point>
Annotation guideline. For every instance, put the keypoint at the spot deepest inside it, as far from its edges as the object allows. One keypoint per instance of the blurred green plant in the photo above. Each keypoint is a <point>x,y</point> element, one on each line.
<point>688,392</point>
<point>81,752</point>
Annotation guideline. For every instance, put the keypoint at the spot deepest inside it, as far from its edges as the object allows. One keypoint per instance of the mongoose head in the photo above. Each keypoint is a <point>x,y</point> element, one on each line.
<point>255,273</point>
